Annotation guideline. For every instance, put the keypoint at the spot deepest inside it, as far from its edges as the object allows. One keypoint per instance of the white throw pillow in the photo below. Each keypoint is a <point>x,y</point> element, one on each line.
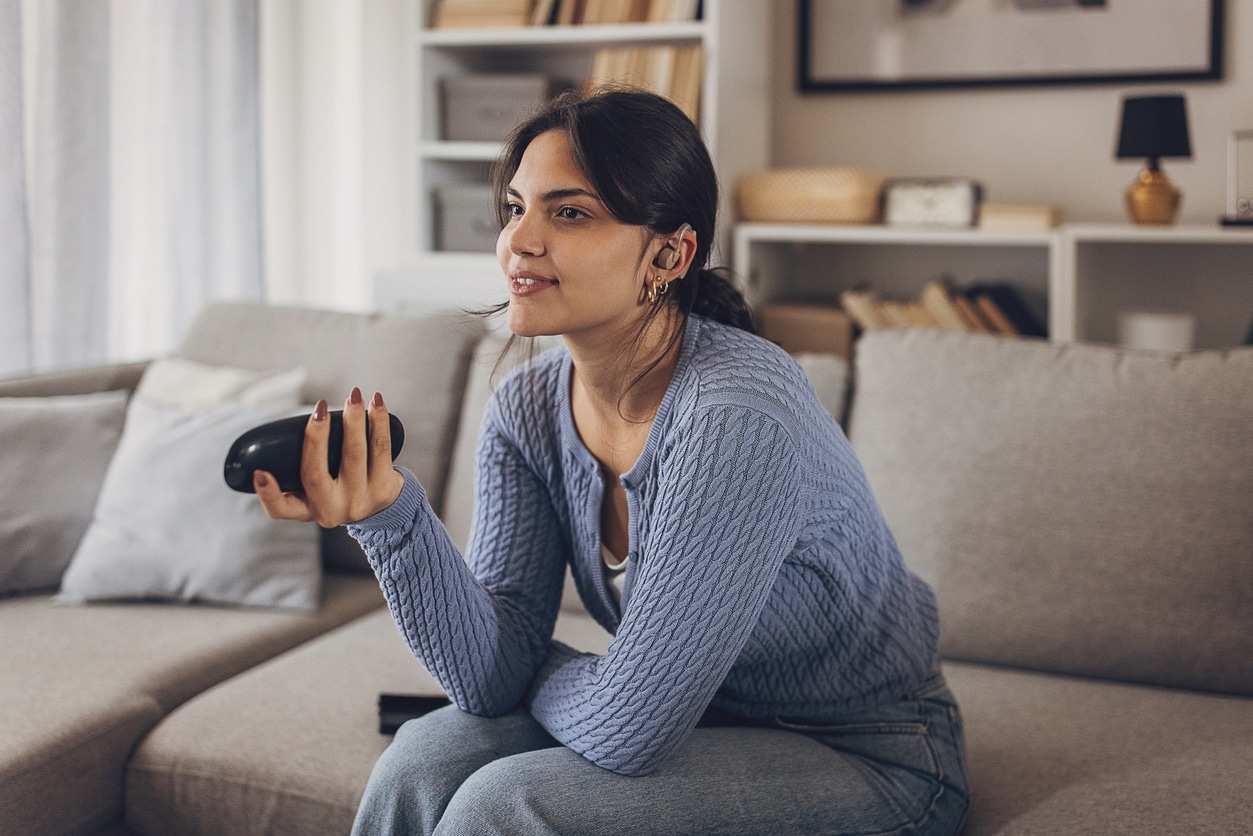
<point>167,527</point>
<point>54,452</point>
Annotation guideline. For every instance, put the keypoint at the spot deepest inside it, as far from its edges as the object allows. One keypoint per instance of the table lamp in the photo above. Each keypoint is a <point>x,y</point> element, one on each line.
<point>1153,127</point>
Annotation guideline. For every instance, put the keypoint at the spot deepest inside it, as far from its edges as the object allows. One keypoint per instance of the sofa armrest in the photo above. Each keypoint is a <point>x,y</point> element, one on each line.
<point>78,381</point>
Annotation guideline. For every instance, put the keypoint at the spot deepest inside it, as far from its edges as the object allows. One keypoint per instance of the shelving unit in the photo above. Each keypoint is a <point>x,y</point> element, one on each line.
<point>810,262</point>
<point>734,119</point>
<point>1077,278</point>
<point>1203,271</point>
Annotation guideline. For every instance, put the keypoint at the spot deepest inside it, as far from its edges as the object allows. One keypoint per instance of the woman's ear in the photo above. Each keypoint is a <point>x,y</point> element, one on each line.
<point>667,258</point>
<point>677,253</point>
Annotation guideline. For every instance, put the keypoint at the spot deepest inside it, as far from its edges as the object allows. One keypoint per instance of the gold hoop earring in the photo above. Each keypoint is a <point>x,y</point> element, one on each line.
<point>657,290</point>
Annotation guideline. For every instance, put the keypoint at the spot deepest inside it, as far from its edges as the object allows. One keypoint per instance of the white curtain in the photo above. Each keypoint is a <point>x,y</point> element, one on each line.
<point>129,182</point>
<point>336,148</point>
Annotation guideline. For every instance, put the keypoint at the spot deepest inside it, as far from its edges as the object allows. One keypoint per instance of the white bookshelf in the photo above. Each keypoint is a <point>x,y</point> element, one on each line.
<point>734,119</point>
<point>1204,271</point>
<point>812,262</point>
<point>1077,278</point>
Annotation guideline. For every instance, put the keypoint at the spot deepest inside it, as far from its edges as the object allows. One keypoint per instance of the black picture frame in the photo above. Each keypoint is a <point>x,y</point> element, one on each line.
<point>822,46</point>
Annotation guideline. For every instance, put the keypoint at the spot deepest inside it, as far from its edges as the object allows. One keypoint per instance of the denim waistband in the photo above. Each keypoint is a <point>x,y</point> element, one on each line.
<point>932,685</point>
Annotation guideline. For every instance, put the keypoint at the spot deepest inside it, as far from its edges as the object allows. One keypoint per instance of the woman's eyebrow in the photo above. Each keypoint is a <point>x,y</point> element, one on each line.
<point>558,194</point>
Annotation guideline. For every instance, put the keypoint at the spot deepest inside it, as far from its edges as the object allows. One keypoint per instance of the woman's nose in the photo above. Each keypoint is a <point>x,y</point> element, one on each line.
<point>523,236</point>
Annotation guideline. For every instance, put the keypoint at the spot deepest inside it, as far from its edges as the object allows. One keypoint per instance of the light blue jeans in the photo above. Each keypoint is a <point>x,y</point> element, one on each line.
<point>897,770</point>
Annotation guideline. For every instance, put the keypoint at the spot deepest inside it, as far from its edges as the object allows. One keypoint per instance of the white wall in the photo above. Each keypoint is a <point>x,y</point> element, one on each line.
<point>1026,145</point>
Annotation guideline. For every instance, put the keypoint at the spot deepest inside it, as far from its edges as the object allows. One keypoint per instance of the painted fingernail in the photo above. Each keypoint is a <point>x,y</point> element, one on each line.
<point>319,411</point>
<point>378,399</point>
<point>355,397</point>
<point>259,478</point>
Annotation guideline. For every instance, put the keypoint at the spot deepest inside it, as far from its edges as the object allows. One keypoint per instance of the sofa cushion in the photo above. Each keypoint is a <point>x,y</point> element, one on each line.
<point>79,380</point>
<point>55,452</point>
<point>1049,754</point>
<point>488,367</point>
<point>418,363</point>
<point>828,373</point>
<point>63,771</point>
<point>166,526</point>
<point>94,678</point>
<point>287,747</point>
<point>1077,508</point>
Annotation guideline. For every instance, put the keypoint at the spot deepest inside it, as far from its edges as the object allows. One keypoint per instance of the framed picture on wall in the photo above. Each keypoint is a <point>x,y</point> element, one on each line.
<point>912,44</point>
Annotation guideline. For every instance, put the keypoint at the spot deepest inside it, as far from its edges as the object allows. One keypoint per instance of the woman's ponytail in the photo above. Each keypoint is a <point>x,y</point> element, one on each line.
<point>715,296</point>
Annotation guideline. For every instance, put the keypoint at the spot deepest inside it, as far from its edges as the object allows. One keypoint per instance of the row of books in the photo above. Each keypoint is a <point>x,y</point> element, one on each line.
<point>806,327</point>
<point>671,71</point>
<point>463,14</point>
<point>994,308</point>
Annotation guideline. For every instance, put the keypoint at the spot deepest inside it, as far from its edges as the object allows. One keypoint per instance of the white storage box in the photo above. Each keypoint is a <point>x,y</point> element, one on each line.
<point>489,106</point>
<point>465,218</point>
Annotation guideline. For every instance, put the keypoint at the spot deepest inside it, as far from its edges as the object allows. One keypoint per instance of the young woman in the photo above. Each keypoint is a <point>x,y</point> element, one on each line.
<point>773,667</point>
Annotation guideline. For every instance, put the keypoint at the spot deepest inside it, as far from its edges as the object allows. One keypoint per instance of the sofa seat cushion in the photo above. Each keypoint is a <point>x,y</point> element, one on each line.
<point>62,769</point>
<point>286,748</point>
<point>1078,508</point>
<point>95,677</point>
<point>1051,754</point>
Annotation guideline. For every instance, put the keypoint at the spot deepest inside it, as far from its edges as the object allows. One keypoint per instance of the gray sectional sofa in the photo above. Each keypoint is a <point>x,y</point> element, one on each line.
<point>1084,514</point>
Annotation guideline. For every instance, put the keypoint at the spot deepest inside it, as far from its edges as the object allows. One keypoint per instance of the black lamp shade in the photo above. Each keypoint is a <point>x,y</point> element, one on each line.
<point>1153,127</point>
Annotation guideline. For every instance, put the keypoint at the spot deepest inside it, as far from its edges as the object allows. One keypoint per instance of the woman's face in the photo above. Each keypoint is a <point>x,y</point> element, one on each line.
<point>573,268</point>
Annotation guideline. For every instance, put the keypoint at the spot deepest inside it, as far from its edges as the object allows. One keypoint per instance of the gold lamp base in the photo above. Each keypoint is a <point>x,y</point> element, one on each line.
<point>1153,199</point>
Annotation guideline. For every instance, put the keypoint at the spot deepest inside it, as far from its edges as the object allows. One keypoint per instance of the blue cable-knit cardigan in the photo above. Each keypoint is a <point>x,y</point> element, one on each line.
<point>762,579</point>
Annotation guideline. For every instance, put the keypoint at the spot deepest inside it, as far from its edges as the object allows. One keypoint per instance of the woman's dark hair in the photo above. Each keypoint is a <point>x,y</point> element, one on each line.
<point>650,167</point>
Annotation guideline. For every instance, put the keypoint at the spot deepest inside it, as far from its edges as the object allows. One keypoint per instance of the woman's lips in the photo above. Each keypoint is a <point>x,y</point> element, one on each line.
<point>525,284</point>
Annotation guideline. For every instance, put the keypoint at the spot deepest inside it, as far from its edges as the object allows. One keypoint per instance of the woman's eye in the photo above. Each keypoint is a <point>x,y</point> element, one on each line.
<point>513,210</point>
<point>569,213</point>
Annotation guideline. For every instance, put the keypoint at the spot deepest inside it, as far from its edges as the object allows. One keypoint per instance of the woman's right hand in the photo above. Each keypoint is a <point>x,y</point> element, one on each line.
<point>367,482</point>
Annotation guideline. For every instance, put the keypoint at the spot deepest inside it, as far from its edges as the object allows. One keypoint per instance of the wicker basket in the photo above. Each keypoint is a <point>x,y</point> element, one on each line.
<point>810,195</point>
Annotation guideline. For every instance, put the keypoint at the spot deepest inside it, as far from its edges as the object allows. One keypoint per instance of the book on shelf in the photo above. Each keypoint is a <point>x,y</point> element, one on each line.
<point>996,318</point>
<point>481,14</point>
<point>800,328</point>
<point>1020,216</point>
<point>989,308</point>
<point>670,71</point>
<point>1005,298</point>
<point>672,11</point>
<point>543,12</point>
<point>475,14</point>
<point>906,313</point>
<point>614,11</point>
<point>864,307</point>
<point>570,12</point>
<point>938,298</point>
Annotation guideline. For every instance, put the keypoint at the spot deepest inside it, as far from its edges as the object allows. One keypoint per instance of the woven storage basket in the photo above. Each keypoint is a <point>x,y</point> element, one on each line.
<point>810,195</point>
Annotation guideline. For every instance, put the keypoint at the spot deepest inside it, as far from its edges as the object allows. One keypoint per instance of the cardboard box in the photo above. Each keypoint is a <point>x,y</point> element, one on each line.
<point>465,218</point>
<point>488,107</point>
<point>801,328</point>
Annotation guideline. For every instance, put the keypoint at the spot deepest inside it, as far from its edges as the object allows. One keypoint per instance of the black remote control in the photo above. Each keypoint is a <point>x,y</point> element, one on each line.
<point>276,448</point>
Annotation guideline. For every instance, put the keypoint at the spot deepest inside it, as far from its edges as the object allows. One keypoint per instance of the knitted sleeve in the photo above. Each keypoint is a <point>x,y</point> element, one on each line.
<point>482,632</point>
<point>726,514</point>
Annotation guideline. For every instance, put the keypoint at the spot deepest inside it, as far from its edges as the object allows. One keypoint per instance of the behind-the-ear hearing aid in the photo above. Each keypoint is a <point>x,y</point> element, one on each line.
<point>669,256</point>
